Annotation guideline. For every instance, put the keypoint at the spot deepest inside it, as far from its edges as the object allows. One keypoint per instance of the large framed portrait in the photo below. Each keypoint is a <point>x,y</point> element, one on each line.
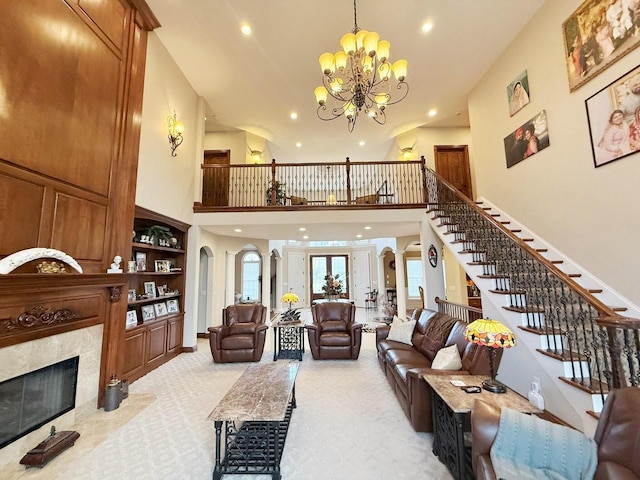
<point>598,34</point>
<point>527,139</point>
<point>613,114</point>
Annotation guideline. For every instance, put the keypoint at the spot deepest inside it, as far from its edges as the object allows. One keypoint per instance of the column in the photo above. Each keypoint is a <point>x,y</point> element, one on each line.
<point>434,283</point>
<point>230,285</point>
<point>401,289</point>
<point>266,281</point>
<point>278,305</point>
<point>382,281</point>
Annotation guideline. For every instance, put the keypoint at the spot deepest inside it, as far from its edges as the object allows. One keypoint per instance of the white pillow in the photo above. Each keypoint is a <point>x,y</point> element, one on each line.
<point>401,331</point>
<point>447,359</point>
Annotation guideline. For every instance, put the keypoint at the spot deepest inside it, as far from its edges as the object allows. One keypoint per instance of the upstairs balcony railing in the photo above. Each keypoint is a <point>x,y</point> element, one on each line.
<point>294,186</point>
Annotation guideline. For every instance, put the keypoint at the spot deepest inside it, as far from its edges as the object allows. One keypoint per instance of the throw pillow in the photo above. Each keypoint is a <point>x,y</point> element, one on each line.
<point>401,331</point>
<point>447,359</point>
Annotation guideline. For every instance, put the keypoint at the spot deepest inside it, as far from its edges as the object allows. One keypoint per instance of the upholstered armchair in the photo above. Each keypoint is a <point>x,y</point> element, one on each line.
<point>334,333</point>
<point>617,436</point>
<point>241,336</point>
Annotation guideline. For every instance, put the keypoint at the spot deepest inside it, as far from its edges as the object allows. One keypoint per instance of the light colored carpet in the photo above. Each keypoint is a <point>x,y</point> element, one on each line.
<point>348,426</point>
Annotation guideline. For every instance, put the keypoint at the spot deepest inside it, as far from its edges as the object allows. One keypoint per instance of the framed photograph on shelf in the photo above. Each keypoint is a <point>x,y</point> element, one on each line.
<point>141,261</point>
<point>132,318</point>
<point>173,306</point>
<point>160,309</point>
<point>150,289</point>
<point>518,93</point>
<point>613,114</point>
<point>147,313</point>
<point>132,296</point>
<point>596,35</point>
<point>163,266</point>
<point>162,290</point>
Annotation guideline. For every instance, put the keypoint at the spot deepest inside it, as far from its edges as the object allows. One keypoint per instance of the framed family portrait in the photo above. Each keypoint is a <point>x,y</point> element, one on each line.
<point>131,296</point>
<point>132,318</point>
<point>160,309</point>
<point>527,140</point>
<point>518,93</point>
<point>598,34</point>
<point>173,306</point>
<point>141,262</point>
<point>150,289</point>
<point>613,114</point>
<point>147,312</point>
<point>163,266</point>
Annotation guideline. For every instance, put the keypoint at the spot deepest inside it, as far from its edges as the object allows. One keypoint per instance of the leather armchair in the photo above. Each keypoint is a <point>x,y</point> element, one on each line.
<point>334,333</point>
<point>241,336</point>
<point>617,436</point>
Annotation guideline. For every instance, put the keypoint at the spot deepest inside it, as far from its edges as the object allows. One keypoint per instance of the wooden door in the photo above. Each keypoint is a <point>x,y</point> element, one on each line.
<point>452,163</point>
<point>215,181</point>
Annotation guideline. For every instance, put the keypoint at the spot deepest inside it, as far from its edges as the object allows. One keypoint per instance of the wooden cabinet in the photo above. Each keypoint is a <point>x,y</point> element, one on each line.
<point>156,274</point>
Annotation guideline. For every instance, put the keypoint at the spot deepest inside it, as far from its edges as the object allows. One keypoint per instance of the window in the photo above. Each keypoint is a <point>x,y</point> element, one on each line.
<point>250,277</point>
<point>414,276</point>
<point>322,265</point>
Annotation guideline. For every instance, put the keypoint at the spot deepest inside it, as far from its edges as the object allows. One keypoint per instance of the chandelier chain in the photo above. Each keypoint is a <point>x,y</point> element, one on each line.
<point>355,18</point>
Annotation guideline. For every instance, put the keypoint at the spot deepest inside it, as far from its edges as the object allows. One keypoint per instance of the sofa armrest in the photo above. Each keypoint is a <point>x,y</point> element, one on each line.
<point>216,334</point>
<point>485,420</point>
<point>382,332</point>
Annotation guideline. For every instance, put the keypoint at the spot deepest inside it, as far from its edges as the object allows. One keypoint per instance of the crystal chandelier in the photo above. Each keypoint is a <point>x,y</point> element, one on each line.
<point>359,78</point>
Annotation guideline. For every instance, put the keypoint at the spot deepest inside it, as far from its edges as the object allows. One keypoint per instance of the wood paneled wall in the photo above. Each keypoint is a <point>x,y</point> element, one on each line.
<point>71,81</point>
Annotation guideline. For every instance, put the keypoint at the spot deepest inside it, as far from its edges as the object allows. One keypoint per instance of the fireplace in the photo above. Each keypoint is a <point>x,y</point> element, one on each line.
<point>31,400</point>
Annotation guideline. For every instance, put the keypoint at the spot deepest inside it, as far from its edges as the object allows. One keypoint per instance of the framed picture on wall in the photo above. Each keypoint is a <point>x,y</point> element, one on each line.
<point>613,114</point>
<point>598,34</point>
<point>527,140</point>
<point>518,93</point>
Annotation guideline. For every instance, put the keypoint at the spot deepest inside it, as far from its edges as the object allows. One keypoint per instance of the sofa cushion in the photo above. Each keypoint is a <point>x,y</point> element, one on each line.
<point>407,357</point>
<point>242,328</point>
<point>447,359</point>
<point>385,345</point>
<point>435,335</point>
<point>401,331</point>
<point>334,326</point>
<point>335,339</point>
<point>237,342</point>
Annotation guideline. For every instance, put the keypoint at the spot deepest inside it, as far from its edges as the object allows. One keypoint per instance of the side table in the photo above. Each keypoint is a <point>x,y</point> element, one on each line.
<point>288,340</point>
<point>451,409</point>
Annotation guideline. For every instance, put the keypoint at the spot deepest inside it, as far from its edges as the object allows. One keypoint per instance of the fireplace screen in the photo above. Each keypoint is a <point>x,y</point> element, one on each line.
<point>29,401</point>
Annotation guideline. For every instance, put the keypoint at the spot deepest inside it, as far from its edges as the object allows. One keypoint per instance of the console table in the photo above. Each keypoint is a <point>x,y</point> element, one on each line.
<point>256,412</point>
<point>288,340</point>
<point>451,410</point>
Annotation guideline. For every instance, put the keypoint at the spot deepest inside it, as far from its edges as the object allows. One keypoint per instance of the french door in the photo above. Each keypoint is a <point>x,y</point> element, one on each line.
<point>323,265</point>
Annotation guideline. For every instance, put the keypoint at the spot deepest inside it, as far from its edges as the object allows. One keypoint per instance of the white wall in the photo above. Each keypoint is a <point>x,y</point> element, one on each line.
<point>589,214</point>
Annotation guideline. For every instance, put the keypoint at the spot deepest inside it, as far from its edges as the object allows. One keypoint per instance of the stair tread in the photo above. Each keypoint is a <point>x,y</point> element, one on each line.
<point>493,276</point>
<point>528,309</point>
<point>509,292</point>
<point>481,263</point>
<point>542,331</point>
<point>516,230</point>
<point>590,385</point>
<point>564,355</point>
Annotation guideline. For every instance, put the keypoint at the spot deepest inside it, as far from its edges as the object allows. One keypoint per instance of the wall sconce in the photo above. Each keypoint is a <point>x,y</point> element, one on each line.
<point>256,155</point>
<point>176,128</point>
<point>407,153</point>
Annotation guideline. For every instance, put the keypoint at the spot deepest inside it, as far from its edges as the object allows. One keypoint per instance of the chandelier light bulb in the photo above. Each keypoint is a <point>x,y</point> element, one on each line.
<point>327,63</point>
<point>400,69</point>
<point>348,43</point>
<point>371,43</point>
<point>383,50</point>
<point>341,60</point>
<point>321,94</point>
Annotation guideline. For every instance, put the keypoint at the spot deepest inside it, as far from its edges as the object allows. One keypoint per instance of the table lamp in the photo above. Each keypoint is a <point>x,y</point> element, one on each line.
<point>291,314</point>
<point>491,334</point>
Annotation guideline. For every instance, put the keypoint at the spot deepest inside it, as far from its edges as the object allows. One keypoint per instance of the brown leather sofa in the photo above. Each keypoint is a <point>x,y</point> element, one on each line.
<point>334,333</point>
<point>242,334</point>
<point>617,436</point>
<point>405,364</point>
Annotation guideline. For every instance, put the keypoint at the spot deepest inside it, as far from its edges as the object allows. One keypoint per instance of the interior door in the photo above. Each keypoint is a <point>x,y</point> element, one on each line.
<point>296,276</point>
<point>452,163</point>
<point>361,277</point>
<point>215,181</point>
<point>321,265</point>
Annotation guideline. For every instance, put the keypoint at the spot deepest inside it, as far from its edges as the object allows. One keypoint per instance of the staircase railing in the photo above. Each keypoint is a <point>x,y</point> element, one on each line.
<point>457,310</point>
<point>601,347</point>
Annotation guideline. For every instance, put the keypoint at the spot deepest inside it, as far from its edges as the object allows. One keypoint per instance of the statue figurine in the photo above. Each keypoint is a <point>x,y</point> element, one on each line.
<point>115,266</point>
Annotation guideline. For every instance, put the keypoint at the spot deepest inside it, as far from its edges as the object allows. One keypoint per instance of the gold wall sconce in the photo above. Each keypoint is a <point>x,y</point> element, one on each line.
<point>176,129</point>
<point>256,155</point>
<point>407,153</point>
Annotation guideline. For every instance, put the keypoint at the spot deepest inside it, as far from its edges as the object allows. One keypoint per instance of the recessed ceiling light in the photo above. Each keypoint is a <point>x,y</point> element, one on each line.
<point>302,229</point>
<point>245,29</point>
<point>298,144</point>
<point>305,236</point>
<point>359,236</point>
<point>237,230</point>
<point>367,227</point>
<point>362,143</point>
<point>427,26</point>
<point>433,112</point>
<point>294,115</point>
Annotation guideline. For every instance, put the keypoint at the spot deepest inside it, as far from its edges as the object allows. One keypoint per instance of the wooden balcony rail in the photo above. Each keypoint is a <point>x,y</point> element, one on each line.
<point>388,184</point>
<point>457,310</point>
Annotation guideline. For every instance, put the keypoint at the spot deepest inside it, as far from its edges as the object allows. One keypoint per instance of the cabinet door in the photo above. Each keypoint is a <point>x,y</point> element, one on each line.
<point>156,342</point>
<point>133,360</point>
<point>174,334</point>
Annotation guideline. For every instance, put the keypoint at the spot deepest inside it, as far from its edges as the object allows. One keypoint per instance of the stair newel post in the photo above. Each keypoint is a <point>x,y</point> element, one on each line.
<point>423,168</point>
<point>348,168</point>
<point>273,181</point>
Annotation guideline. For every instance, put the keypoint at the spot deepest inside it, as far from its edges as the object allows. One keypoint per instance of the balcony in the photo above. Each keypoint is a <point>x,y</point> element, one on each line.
<point>313,186</point>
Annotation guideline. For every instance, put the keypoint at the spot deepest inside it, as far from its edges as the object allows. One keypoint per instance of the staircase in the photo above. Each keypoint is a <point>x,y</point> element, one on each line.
<point>594,348</point>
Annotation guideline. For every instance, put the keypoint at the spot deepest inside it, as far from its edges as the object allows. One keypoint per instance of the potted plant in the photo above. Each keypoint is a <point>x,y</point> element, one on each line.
<point>279,188</point>
<point>332,287</point>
